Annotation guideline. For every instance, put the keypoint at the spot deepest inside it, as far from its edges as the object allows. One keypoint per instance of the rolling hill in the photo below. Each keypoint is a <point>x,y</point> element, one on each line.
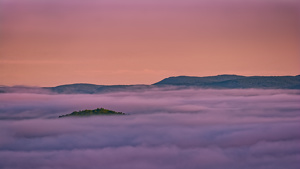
<point>177,82</point>
<point>234,81</point>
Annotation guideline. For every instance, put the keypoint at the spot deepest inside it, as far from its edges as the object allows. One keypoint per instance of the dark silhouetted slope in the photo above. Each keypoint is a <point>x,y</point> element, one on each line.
<point>172,83</point>
<point>234,81</point>
<point>197,81</point>
<point>92,88</point>
<point>76,88</point>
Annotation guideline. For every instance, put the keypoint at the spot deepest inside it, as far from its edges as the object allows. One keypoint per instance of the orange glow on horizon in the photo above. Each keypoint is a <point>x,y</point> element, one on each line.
<point>112,42</point>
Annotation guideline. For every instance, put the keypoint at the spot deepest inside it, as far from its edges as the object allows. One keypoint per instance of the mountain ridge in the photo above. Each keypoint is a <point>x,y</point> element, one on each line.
<point>234,81</point>
<point>224,81</point>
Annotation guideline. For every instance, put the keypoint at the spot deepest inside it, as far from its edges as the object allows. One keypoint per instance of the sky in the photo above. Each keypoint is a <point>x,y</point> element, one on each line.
<point>54,42</point>
<point>166,129</point>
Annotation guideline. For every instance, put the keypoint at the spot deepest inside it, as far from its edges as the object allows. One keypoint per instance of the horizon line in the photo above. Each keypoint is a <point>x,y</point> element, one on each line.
<point>148,84</point>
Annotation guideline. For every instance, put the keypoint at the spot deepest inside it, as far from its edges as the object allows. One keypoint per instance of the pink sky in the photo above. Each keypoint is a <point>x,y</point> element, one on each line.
<point>55,42</point>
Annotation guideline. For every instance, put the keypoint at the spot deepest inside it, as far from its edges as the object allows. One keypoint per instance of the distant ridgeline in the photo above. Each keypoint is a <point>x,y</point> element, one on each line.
<point>177,82</point>
<point>234,82</point>
<point>97,111</point>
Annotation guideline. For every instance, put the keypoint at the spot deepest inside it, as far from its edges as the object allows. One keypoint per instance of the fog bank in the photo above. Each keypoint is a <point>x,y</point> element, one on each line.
<point>168,129</point>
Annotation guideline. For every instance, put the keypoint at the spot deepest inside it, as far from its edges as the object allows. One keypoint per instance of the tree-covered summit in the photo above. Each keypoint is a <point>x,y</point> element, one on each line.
<point>98,111</point>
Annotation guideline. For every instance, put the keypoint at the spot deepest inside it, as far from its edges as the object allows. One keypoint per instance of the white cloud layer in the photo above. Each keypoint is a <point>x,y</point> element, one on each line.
<point>166,129</point>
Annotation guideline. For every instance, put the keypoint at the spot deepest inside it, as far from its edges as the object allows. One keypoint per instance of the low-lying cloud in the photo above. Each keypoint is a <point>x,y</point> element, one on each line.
<point>166,129</point>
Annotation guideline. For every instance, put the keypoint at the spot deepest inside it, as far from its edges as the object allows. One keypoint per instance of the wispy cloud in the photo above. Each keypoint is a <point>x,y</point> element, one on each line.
<point>165,129</point>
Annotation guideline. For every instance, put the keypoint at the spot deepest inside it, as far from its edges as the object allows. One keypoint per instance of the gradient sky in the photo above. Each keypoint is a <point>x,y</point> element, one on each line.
<point>53,42</point>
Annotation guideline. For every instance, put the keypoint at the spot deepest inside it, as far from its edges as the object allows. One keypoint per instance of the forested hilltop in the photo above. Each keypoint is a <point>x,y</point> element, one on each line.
<point>98,111</point>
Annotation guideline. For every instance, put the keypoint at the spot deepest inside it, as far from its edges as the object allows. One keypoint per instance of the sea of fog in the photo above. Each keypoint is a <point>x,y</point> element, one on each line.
<point>165,129</point>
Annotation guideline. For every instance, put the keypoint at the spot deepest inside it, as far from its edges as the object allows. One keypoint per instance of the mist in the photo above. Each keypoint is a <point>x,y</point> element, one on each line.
<point>166,129</point>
